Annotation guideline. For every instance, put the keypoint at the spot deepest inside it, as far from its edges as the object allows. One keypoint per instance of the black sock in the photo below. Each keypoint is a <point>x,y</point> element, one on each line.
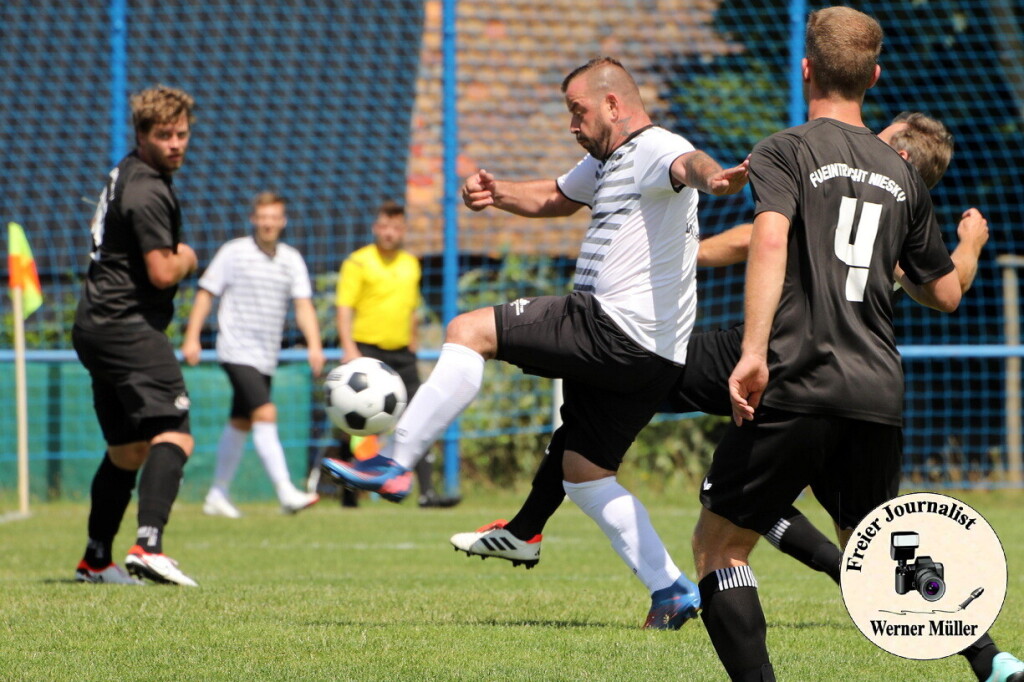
<point>111,492</point>
<point>425,475</point>
<point>732,615</point>
<point>980,655</point>
<point>546,494</point>
<point>158,488</point>
<point>795,535</point>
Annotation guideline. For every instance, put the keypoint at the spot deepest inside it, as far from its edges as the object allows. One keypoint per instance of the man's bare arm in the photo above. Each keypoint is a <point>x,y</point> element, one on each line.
<point>530,198</point>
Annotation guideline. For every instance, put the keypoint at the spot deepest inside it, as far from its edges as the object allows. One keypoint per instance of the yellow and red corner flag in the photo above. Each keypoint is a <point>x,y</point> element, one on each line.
<point>22,268</point>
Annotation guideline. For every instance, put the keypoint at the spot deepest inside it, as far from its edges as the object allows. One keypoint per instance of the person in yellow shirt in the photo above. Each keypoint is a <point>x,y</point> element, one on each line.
<point>378,299</point>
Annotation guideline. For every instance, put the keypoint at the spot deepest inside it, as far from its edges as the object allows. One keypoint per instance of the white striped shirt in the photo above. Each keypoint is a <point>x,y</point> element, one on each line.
<point>639,255</point>
<point>254,290</point>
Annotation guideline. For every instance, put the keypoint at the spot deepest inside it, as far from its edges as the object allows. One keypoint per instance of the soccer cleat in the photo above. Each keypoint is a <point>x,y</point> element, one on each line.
<point>379,474</point>
<point>156,567</point>
<point>494,540</point>
<point>1006,668</point>
<point>294,501</point>
<point>112,574</point>
<point>432,499</point>
<point>673,605</point>
<point>217,504</point>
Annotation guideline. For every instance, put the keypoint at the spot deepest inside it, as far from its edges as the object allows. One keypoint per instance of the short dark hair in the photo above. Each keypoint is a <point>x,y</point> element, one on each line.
<point>590,66</point>
<point>390,208</point>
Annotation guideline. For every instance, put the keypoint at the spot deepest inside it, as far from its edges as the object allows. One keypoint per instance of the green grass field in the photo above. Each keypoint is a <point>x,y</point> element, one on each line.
<point>378,593</point>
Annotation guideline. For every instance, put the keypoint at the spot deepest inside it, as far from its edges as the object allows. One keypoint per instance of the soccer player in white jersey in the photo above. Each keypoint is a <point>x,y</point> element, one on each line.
<point>254,277</point>
<point>618,340</point>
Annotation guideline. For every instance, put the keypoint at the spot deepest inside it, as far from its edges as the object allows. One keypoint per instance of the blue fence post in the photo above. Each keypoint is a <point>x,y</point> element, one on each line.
<point>450,142</point>
<point>797,19</point>
<point>118,80</point>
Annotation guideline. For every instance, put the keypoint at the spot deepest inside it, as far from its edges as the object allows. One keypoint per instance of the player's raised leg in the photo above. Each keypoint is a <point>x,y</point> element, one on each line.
<point>451,387</point>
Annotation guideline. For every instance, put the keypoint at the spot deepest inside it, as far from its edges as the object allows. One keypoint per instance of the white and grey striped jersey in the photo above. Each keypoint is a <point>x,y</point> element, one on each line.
<point>254,290</point>
<point>639,255</point>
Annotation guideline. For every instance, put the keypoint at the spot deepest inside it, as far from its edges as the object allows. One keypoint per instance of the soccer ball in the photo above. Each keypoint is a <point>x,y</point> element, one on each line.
<point>364,397</point>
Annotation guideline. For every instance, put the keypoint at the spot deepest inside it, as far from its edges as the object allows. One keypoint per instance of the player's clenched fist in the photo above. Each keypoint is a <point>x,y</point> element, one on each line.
<point>478,190</point>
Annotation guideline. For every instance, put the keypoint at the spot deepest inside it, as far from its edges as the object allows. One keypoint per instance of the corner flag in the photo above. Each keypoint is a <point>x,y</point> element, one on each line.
<point>22,267</point>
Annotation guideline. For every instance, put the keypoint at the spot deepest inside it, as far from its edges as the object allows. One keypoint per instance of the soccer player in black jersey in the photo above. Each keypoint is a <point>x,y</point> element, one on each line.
<point>836,208</point>
<point>127,301</point>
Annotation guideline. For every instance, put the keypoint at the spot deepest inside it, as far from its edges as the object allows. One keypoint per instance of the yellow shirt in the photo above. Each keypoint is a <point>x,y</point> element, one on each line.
<point>383,295</point>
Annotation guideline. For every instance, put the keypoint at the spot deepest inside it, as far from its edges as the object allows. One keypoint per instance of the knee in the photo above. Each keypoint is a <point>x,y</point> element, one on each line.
<point>475,330</point>
<point>130,456</point>
<point>717,543</point>
<point>460,330</point>
<point>265,413</point>
<point>185,441</point>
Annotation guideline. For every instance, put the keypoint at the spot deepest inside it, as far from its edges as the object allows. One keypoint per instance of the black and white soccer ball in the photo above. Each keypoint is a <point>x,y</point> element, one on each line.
<point>364,397</point>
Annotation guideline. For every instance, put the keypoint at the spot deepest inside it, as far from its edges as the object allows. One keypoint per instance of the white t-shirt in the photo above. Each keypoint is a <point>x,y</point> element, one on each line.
<point>639,256</point>
<point>254,290</point>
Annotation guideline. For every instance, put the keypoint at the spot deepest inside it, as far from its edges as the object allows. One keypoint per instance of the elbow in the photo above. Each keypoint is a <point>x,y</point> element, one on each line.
<point>162,279</point>
<point>950,301</point>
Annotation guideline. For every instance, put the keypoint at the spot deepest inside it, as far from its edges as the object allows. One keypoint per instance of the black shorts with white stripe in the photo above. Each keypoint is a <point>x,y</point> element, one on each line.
<point>613,386</point>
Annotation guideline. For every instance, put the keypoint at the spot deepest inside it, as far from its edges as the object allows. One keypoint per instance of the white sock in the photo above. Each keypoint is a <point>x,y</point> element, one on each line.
<point>268,447</point>
<point>448,391</point>
<point>230,449</point>
<point>626,523</point>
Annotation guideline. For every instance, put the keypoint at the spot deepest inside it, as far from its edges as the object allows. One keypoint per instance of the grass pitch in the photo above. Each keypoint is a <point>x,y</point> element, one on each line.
<point>377,593</point>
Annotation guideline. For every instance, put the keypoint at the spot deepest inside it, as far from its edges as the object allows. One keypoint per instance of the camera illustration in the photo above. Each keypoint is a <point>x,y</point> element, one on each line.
<point>923,574</point>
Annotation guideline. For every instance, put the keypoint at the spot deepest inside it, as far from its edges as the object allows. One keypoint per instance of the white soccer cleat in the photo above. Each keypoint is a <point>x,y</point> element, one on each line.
<point>112,575</point>
<point>493,540</point>
<point>293,501</point>
<point>156,567</point>
<point>217,504</point>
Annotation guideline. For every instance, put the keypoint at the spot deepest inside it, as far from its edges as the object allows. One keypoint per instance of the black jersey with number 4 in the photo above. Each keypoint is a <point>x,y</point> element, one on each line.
<point>855,209</point>
<point>137,213</point>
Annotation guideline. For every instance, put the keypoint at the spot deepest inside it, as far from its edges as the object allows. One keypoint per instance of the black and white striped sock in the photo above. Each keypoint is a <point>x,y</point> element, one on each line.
<point>735,622</point>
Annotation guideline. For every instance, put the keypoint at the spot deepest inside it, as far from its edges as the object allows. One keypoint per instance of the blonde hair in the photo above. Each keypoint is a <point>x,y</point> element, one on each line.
<point>927,142</point>
<point>267,198</point>
<point>159,105</point>
<point>842,46</point>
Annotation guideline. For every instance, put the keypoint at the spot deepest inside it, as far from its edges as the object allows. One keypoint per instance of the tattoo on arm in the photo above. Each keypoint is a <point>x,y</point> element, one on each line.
<point>699,169</point>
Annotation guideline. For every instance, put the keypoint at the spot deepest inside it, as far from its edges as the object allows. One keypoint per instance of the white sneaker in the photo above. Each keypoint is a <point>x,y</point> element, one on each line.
<point>156,567</point>
<point>217,504</point>
<point>494,540</point>
<point>112,574</point>
<point>293,501</point>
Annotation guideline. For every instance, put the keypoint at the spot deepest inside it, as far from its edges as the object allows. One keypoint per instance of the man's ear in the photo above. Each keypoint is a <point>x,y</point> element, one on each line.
<point>805,70</point>
<point>904,153</point>
<point>611,100</point>
<point>874,79</point>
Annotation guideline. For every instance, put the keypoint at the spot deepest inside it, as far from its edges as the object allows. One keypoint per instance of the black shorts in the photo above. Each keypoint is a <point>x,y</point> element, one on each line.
<point>138,390</point>
<point>612,386</point>
<point>251,389</point>
<point>760,468</point>
<point>704,383</point>
<point>402,360</point>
